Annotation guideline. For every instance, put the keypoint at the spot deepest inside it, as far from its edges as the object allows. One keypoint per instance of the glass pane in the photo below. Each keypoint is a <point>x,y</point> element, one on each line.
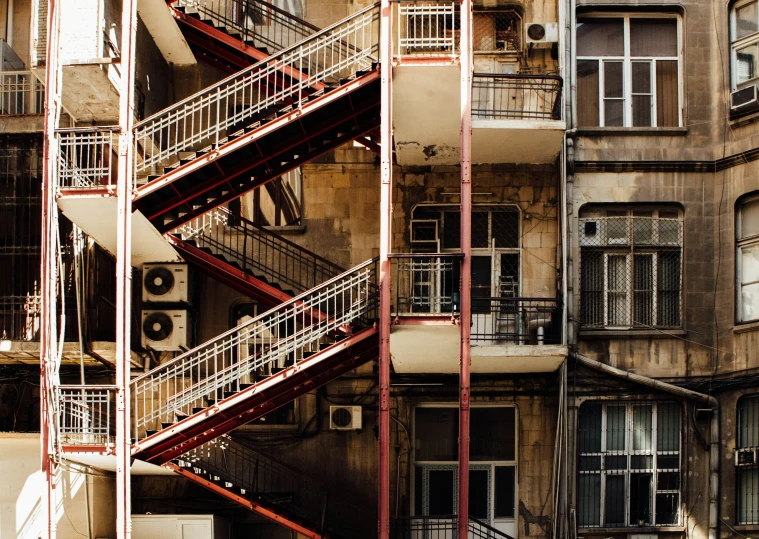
<point>747,63</point>
<point>641,110</point>
<point>643,292</point>
<point>591,286</point>
<point>653,37</point>
<point>613,79</point>
<point>480,234</point>
<point>589,464</point>
<point>614,501</point>
<point>641,462</point>
<point>437,431</point>
<point>615,462</point>
<point>748,422</point>
<point>589,500</point>
<point>667,94</point>
<point>749,218</point>
<point>668,311</point>
<point>478,494</point>
<point>614,113</point>
<point>617,308</point>
<point>505,482</point>
<point>640,499</point>
<point>750,302</point>
<point>746,20</point>
<point>418,475</point>
<point>600,37</point>
<point>482,272</point>
<point>642,426</point>
<point>505,226</point>
<point>440,492</point>
<point>748,495</point>
<point>589,435</point>
<point>615,428</point>
<point>750,264</point>
<point>451,230</point>
<point>587,93</point>
<point>668,462</point>
<point>641,77</point>
<point>668,481</point>
<point>667,427</point>
<point>643,227</point>
<point>667,508</point>
<point>493,434</point>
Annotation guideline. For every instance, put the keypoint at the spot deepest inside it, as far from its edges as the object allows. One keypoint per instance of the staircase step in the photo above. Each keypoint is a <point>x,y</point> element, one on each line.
<point>166,425</point>
<point>198,410</point>
<point>307,355</point>
<point>150,432</point>
<point>325,345</point>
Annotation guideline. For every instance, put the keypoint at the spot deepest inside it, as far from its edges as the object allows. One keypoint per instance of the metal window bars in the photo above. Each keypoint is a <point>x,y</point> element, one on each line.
<point>426,284</point>
<point>272,482</point>
<point>428,28</point>
<point>497,31</point>
<point>283,80</point>
<point>441,527</point>
<point>20,315</point>
<point>256,249</point>
<point>86,157</point>
<point>501,320</point>
<point>516,97</point>
<point>259,24</point>
<point>21,93</point>
<point>275,339</point>
<point>86,414</point>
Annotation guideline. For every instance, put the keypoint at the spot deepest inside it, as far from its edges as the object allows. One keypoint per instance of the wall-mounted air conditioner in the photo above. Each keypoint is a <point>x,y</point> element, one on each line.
<point>165,283</point>
<point>344,417</point>
<point>744,100</point>
<point>745,457</point>
<point>165,330</point>
<point>541,34</point>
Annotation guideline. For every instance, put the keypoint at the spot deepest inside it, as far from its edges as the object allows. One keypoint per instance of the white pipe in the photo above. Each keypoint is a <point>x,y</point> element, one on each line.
<point>9,35</point>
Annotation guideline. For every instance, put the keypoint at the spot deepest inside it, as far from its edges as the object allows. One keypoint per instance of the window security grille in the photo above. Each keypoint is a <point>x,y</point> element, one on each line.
<point>747,477</point>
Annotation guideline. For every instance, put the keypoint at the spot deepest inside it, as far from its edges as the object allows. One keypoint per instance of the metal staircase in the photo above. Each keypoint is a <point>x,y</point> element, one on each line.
<point>271,488</point>
<point>247,257</point>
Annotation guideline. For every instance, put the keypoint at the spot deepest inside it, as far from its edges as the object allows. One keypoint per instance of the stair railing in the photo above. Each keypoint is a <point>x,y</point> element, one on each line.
<point>441,527</point>
<point>284,79</point>
<point>259,250</point>
<point>259,23</point>
<point>275,339</point>
<point>275,484</point>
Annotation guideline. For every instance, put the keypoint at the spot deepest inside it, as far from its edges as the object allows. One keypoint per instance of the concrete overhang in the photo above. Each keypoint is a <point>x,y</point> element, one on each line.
<point>89,94</point>
<point>157,17</point>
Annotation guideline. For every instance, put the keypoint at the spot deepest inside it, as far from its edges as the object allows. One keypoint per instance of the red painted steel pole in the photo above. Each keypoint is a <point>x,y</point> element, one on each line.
<point>466,263</point>
<point>124,270</point>
<point>386,208</point>
<point>48,272</point>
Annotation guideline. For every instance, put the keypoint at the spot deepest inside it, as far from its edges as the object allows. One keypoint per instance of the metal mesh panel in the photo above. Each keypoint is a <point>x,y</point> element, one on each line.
<point>497,31</point>
<point>747,471</point>
<point>630,272</point>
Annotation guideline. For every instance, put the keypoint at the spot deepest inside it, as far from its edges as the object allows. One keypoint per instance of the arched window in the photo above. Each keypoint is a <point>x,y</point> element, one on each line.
<point>747,258</point>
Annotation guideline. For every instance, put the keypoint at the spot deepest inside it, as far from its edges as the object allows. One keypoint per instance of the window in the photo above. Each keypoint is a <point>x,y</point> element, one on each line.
<point>744,43</point>
<point>747,259</point>
<point>630,268</point>
<point>628,464</point>
<point>628,71</point>
<point>747,473</point>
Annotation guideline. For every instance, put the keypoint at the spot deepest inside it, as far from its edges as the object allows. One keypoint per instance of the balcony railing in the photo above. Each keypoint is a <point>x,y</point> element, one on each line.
<point>426,283</point>
<point>86,157</point>
<point>428,28</point>
<point>441,527</point>
<point>516,97</point>
<point>21,93</point>
<point>534,321</point>
<point>86,414</point>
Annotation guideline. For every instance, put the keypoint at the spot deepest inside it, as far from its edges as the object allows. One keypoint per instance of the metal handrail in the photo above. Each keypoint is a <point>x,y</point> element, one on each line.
<point>21,93</point>
<point>257,249</point>
<point>441,527</point>
<point>278,338</point>
<point>516,96</point>
<point>516,320</point>
<point>84,414</point>
<point>284,79</point>
<point>426,283</point>
<point>86,156</point>
<point>427,27</point>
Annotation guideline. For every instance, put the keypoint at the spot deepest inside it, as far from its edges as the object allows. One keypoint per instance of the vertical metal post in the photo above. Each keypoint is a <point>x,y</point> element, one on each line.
<point>124,269</point>
<point>466,263</point>
<point>386,208</point>
<point>48,271</point>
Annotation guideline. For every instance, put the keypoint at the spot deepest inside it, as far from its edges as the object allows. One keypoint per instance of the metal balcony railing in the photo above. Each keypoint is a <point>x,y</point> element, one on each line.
<point>284,79</point>
<point>516,97</point>
<point>258,23</point>
<point>256,249</point>
<point>426,283</point>
<point>428,28</point>
<point>87,157</point>
<point>86,414</point>
<point>21,93</point>
<point>275,483</point>
<point>498,320</point>
<point>275,339</point>
<point>441,527</point>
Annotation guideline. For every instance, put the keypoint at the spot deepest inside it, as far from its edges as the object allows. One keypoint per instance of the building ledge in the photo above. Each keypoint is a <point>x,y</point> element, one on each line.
<point>641,529</point>
<point>632,333</point>
<point>289,229</point>
<point>746,327</point>
<point>25,123</point>
<point>633,131</point>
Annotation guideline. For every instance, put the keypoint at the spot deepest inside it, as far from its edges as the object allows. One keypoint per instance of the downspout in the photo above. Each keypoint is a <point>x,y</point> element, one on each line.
<point>714,449</point>
<point>9,23</point>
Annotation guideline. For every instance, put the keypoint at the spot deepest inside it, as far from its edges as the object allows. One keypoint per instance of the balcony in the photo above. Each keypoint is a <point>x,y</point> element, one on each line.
<point>508,334</point>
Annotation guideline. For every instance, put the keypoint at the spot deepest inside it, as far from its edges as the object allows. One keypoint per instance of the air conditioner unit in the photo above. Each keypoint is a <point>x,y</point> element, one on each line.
<point>165,283</point>
<point>424,231</point>
<point>746,457</point>
<point>165,330</point>
<point>744,100</point>
<point>541,34</point>
<point>344,418</point>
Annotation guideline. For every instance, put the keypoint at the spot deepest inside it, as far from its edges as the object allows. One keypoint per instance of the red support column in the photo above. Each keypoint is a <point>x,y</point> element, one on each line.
<point>466,248</point>
<point>48,272</point>
<point>386,208</point>
<point>124,270</point>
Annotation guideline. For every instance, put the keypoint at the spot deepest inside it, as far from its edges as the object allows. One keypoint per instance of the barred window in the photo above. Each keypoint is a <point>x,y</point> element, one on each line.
<point>628,464</point>
<point>747,259</point>
<point>747,476</point>
<point>630,268</point>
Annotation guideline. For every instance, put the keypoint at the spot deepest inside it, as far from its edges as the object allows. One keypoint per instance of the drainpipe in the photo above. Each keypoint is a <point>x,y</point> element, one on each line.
<point>714,449</point>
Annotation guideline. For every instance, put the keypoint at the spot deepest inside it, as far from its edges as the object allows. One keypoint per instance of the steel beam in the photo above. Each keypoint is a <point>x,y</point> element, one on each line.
<point>466,264</point>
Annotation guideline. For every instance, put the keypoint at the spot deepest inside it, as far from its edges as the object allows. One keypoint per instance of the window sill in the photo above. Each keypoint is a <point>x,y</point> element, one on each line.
<point>631,333</point>
<point>633,131</point>
<point>746,527</point>
<point>636,529</point>
<point>745,327</point>
<point>740,120</point>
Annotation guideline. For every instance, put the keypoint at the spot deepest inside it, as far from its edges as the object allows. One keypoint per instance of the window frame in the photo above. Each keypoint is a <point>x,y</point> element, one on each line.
<point>740,244</point>
<point>736,44</point>
<point>740,470</point>
<point>629,451</point>
<point>627,62</point>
